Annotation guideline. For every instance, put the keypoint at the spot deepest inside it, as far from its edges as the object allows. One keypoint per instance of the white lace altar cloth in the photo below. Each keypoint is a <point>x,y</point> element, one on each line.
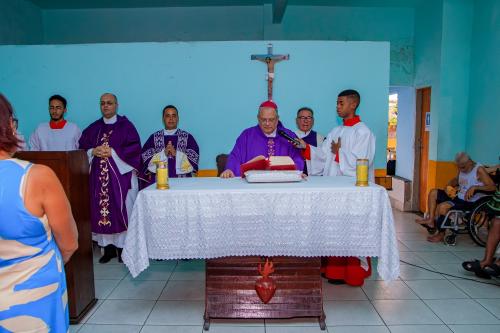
<point>212,217</point>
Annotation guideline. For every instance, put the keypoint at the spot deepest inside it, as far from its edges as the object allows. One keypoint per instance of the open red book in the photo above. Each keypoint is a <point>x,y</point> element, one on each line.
<point>271,163</point>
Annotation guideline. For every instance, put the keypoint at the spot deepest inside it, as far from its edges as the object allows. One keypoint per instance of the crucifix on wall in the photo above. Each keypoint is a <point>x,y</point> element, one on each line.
<point>270,59</point>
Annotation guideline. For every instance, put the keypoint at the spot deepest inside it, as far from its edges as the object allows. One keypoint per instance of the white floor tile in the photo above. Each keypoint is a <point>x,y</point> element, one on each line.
<point>173,329</point>
<point>138,289</point>
<point>439,258</point>
<point>342,292</point>
<point>104,287</point>
<point>478,290</point>
<point>424,245</point>
<point>358,329</point>
<point>435,289</point>
<point>405,312</point>
<point>122,312</point>
<point>492,305</point>
<point>237,329</point>
<point>184,291</point>
<point>92,328</point>
<point>110,272</point>
<point>301,322</point>
<point>292,329</point>
<point>475,328</point>
<point>461,311</point>
<point>192,270</point>
<point>339,313</point>
<point>155,272</point>
<point>412,258</point>
<point>408,272</point>
<point>74,328</point>
<point>393,290</point>
<point>419,329</point>
<point>177,313</point>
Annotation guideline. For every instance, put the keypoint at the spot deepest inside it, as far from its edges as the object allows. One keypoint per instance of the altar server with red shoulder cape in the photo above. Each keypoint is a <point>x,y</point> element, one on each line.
<point>337,157</point>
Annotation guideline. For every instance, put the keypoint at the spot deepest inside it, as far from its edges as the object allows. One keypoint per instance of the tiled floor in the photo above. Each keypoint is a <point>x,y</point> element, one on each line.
<point>169,297</point>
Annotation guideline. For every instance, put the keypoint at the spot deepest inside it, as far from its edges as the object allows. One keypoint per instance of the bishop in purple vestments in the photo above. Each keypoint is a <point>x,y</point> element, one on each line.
<point>114,149</point>
<point>262,140</point>
<point>173,145</point>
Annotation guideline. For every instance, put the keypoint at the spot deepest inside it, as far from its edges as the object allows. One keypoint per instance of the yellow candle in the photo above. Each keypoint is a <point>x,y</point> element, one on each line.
<point>362,172</point>
<point>162,178</point>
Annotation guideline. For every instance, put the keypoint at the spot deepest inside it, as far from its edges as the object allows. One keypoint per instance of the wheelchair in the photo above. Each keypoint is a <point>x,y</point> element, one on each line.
<point>476,221</point>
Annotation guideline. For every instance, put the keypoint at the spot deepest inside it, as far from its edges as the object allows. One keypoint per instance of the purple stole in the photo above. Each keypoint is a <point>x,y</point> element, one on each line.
<point>109,188</point>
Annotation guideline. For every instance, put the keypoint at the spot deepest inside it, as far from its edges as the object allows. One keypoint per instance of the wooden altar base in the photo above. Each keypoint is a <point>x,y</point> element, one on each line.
<point>230,289</point>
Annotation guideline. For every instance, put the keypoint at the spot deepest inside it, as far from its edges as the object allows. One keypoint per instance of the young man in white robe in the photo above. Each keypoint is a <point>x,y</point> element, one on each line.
<point>58,134</point>
<point>337,157</point>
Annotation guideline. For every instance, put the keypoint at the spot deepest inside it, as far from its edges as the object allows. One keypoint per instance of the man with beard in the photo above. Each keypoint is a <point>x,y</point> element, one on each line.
<point>58,134</point>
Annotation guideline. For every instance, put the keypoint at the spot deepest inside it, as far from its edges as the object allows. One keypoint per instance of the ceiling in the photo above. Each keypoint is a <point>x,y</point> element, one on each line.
<point>88,4</point>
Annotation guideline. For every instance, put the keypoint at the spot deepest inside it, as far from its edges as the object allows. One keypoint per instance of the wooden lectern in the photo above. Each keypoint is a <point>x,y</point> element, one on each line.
<point>72,169</point>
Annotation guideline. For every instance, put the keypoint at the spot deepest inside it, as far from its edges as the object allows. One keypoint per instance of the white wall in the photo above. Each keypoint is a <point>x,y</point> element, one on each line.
<point>405,132</point>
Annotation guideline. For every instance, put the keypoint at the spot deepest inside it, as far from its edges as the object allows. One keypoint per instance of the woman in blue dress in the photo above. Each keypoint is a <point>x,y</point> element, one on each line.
<point>37,236</point>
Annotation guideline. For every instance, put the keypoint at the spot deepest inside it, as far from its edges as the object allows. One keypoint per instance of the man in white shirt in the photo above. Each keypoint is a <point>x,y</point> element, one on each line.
<point>58,134</point>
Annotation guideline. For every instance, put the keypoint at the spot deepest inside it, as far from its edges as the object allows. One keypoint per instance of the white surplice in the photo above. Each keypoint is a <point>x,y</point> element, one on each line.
<point>356,142</point>
<point>45,138</point>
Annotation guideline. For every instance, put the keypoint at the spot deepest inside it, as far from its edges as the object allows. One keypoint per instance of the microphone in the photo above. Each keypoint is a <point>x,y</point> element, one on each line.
<point>294,141</point>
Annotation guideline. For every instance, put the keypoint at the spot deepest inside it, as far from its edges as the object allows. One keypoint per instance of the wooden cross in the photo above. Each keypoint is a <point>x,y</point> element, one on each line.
<point>270,59</point>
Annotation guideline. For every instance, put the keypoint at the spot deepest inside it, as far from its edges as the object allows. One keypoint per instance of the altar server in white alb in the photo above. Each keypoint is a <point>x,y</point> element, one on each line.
<point>337,157</point>
<point>58,134</point>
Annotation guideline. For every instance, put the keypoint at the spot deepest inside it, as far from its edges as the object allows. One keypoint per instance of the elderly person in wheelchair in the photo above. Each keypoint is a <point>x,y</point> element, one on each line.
<point>461,193</point>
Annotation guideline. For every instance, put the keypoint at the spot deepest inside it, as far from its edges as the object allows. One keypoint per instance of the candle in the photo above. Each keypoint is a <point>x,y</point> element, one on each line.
<point>362,172</point>
<point>162,176</point>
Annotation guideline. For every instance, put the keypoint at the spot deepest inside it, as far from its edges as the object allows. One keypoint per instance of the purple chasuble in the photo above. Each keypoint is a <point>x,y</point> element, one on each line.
<point>253,142</point>
<point>109,188</point>
<point>156,143</point>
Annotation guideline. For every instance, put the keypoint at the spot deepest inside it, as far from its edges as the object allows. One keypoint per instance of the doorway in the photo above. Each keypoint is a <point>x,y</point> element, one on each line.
<point>422,133</point>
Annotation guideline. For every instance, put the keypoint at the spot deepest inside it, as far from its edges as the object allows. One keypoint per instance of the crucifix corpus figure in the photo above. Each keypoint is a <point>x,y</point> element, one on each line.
<point>270,59</point>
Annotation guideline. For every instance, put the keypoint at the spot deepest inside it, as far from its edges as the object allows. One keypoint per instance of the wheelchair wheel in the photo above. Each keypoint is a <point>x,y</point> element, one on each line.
<point>479,224</point>
<point>450,239</point>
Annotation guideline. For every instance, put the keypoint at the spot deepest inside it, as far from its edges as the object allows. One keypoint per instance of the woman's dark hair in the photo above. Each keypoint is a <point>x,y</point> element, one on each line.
<point>8,140</point>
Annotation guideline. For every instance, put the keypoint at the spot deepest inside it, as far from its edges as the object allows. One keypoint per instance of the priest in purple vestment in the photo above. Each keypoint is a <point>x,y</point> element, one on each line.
<point>114,150</point>
<point>262,140</point>
<point>173,145</point>
<point>305,123</point>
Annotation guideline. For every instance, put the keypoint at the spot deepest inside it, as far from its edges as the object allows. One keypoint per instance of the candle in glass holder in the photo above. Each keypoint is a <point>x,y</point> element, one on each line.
<point>162,175</point>
<point>362,172</point>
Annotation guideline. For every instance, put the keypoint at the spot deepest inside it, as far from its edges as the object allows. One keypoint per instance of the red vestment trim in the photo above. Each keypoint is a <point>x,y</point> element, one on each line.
<point>57,125</point>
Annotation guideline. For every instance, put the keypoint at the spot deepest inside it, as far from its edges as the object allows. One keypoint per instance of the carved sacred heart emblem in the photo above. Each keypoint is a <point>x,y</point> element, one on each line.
<point>265,285</point>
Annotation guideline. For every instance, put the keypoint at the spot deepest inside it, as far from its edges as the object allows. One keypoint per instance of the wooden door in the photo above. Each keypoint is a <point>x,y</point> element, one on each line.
<point>423,111</point>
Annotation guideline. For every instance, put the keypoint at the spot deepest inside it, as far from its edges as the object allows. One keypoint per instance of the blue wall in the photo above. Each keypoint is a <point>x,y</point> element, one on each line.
<point>483,138</point>
<point>20,22</point>
<point>240,24</point>
<point>214,84</point>
<point>454,84</point>
<point>428,35</point>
